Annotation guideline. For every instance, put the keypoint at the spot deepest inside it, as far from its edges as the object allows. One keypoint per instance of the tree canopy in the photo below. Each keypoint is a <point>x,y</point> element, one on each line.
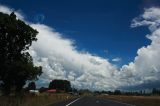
<point>31,86</point>
<point>16,64</point>
<point>60,85</point>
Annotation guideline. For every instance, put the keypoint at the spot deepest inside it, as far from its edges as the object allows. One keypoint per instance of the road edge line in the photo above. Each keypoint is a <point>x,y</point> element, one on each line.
<point>73,101</point>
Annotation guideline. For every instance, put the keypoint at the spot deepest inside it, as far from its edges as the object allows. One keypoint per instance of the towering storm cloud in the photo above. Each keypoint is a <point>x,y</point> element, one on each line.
<point>61,60</point>
<point>146,66</point>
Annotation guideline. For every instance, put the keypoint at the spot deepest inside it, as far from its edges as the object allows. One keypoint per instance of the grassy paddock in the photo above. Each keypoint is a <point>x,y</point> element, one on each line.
<point>41,100</point>
<point>135,100</point>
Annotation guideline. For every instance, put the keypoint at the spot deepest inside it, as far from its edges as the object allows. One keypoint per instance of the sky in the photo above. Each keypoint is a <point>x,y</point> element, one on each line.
<point>96,44</point>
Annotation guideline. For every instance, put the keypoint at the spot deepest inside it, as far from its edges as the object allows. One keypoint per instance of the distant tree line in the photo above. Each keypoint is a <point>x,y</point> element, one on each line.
<point>154,91</point>
<point>65,86</point>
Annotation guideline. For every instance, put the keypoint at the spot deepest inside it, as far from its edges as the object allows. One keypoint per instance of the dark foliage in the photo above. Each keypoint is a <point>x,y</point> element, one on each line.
<point>60,85</point>
<point>43,89</point>
<point>117,92</point>
<point>31,86</point>
<point>156,91</point>
<point>16,64</point>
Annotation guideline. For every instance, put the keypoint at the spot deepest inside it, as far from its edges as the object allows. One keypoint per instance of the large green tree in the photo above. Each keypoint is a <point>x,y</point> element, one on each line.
<point>16,64</point>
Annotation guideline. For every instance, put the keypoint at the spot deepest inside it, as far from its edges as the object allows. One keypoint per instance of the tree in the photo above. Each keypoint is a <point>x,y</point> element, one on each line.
<point>32,86</point>
<point>117,92</point>
<point>60,85</point>
<point>16,64</point>
<point>155,91</point>
<point>42,89</point>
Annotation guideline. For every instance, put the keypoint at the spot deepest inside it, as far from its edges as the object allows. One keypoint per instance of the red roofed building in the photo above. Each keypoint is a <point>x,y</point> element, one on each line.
<point>52,91</point>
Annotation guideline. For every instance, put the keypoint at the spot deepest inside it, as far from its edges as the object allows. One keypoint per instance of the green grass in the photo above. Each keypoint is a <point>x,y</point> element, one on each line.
<point>135,100</point>
<point>41,100</point>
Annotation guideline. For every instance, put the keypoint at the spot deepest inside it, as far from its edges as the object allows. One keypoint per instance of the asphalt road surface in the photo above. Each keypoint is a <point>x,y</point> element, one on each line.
<point>90,101</point>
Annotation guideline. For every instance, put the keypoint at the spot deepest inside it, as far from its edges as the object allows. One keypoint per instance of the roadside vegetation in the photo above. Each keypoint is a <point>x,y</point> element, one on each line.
<point>41,100</point>
<point>134,100</point>
<point>138,98</point>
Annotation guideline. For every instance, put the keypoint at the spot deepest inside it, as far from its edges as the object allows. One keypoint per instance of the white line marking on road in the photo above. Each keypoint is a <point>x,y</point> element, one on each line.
<point>73,101</point>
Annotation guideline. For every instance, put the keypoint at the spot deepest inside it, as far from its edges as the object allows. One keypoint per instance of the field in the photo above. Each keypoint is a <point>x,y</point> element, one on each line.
<point>41,100</point>
<point>135,100</point>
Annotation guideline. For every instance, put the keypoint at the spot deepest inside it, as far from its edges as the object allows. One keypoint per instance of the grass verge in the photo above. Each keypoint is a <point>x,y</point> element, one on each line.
<point>135,100</point>
<point>41,100</point>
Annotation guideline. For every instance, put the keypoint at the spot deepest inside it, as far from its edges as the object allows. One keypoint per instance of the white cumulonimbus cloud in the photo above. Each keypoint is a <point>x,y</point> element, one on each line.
<point>61,60</point>
<point>146,66</point>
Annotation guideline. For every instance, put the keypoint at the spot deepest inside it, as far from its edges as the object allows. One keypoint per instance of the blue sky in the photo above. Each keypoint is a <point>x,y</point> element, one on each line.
<point>91,42</point>
<point>95,25</point>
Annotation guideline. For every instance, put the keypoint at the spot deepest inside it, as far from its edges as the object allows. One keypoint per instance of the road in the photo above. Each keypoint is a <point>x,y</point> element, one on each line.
<point>90,101</point>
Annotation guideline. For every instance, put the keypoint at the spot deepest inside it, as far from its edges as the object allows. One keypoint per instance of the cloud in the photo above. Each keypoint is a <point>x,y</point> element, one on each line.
<point>7,10</point>
<point>61,60</point>
<point>151,18</point>
<point>117,59</point>
<point>146,65</point>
